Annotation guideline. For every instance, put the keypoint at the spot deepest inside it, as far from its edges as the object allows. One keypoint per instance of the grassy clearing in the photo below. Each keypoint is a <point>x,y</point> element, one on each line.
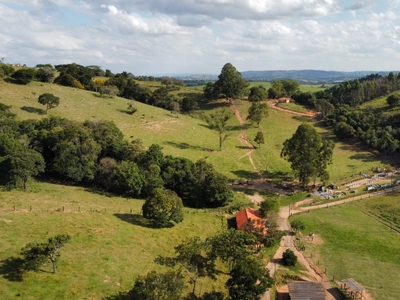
<point>108,248</point>
<point>293,106</point>
<point>355,246</point>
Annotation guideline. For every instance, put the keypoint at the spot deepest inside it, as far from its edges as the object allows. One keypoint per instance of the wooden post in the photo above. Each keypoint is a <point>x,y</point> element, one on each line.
<point>79,208</point>
<point>14,207</point>
<point>30,208</point>
<point>131,210</point>
<point>63,208</point>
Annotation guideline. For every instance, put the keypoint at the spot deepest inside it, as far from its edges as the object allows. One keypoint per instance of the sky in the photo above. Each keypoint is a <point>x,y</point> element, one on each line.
<point>156,37</point>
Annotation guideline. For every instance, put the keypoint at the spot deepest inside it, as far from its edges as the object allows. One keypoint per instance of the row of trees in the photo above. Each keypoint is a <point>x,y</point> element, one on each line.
<point>95,153</point>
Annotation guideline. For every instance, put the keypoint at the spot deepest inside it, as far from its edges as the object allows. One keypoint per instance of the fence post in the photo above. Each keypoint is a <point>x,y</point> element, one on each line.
<point>79,208</point>
<point>14,207</point>
<point>30,208</point>
<point>131,210</point>
<point>63,208</point>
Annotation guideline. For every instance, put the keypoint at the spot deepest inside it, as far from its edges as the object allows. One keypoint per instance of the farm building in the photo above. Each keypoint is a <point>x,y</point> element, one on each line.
<point>306,290</point>
<point>284,100</point>
<point>249,214</point>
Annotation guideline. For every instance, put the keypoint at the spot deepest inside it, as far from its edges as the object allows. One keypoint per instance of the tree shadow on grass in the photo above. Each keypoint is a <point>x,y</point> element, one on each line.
<point>245,174</point>
<point>11,268</point>
<point>185,146</point>
<point>135,219</point>
<point>33,110</point>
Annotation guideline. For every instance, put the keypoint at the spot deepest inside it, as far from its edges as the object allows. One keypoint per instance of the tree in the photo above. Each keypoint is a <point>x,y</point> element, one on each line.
<point>209,91</point>
<point>45,73</point>
<point>192,256</point>
<point>290,86</point>
<point>289,258</point>
<point>324,107</point>
<point>155,286</point>
<point>248,280</point>
<point>24,76</point>
<point>210,187</point>
<point>308,154</point>
<point>36,254</point>
<point>230,82</point>
<point>297,225</point>
<point>217,121</point>
<point>231,245</point>
<point>269,205</point>
<point>393,100</point>
<point>259,139</point>
<point>257,112</point>
<point>49,100</point>
<point>18,163</point>
<point>162,207</point>
<point>25,163</point>
<point>109,90</point>
<point>258,93</point>
<point>127,179</point>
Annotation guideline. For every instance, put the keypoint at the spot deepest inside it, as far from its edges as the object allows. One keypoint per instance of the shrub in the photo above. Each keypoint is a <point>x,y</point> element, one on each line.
<point>289,258</point>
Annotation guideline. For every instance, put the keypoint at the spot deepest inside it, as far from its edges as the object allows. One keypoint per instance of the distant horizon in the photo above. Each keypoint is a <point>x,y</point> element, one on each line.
<point>181,37</point>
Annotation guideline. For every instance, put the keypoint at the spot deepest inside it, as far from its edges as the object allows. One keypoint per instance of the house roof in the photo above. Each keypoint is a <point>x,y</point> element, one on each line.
<point>306,290</point>
<point>244,215</point>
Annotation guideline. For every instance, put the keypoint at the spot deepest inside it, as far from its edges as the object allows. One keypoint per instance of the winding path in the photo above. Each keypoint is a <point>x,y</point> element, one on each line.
<point>244,139</point>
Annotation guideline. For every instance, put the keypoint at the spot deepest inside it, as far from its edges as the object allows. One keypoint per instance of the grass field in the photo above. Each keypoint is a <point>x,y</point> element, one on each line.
<point>108,248</point>
<point>185,135</point>
<point>356,246</point>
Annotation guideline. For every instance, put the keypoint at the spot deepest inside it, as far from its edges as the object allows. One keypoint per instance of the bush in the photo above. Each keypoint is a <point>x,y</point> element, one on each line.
<point>289,258</point>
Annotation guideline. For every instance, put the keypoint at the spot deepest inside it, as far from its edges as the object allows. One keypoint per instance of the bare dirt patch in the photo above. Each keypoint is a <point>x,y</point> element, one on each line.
<point>5,220</point>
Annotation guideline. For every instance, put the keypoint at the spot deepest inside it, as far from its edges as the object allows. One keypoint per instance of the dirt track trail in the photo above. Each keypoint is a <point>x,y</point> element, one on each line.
<point>274,104</point>
<point>288,242</point>
<point>244,139</point>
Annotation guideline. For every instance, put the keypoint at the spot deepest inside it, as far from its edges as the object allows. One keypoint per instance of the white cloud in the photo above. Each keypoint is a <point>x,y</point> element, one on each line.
<point>166,36</point>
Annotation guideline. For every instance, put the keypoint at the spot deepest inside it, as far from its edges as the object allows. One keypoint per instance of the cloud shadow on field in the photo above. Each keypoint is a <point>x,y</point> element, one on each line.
<point>135,219</point>
<point>11,269</point>
<point>33,110</point>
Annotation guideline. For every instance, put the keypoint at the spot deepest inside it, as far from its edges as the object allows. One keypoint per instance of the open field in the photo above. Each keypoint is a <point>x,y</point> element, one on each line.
<point>108,249</point>
<point>354,245</point>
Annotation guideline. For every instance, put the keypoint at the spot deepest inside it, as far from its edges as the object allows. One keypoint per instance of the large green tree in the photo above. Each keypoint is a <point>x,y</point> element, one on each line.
<point>163,207</point>
<point>230,82</point>
<point>249,279</point>
<point>258,93</point>
<point>210,188</point>
<point>257,112</point>
<point>308,154</point>
<point>231,245</point>
<point>217,121</point>
<point>24,75</point>
<point>49,100</point>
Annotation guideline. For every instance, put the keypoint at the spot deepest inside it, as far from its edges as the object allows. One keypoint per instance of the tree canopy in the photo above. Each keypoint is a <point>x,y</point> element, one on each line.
<point>217,121</point>
<point>49,100</point>
<point>162,207</point>
<point>308,155</point>
<point>230,82</point>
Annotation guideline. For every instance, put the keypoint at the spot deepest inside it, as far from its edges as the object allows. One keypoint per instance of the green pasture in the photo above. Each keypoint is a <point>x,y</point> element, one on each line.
<point>189,136</point>
<point>109,248</point>
<point>355,245</point>
<point>293,106</point>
